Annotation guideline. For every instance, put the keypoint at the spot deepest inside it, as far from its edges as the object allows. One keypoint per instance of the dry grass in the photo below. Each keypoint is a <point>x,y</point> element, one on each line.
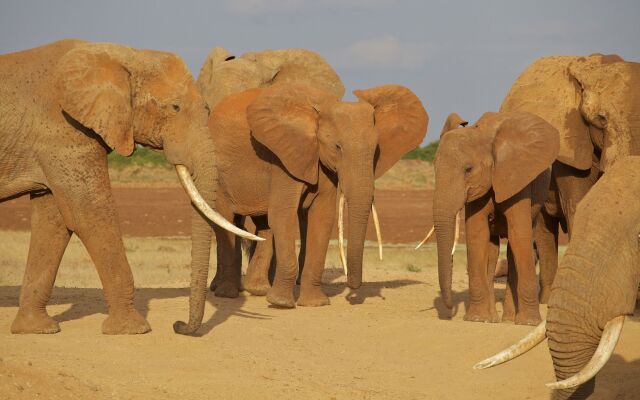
<point>406,174</point>
<point>164,262</point>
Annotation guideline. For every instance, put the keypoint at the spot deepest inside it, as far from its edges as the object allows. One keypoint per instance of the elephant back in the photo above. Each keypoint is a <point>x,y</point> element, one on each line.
<point>222,74</point>
<point>546,89</point>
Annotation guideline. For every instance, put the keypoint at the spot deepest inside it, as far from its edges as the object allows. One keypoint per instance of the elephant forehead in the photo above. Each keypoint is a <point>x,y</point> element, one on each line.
<point>344,114</point>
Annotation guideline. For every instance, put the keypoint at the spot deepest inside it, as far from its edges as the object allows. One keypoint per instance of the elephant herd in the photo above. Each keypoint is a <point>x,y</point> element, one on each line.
<point>267,136</point>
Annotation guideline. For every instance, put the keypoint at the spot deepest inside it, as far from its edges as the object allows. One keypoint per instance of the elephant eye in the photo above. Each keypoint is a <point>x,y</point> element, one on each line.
<point>468,169</point>
<point>338,147</point>
<point>175,107</point>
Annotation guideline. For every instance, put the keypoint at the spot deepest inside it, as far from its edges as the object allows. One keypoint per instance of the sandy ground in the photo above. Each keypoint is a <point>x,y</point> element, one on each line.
<point>391,339</point>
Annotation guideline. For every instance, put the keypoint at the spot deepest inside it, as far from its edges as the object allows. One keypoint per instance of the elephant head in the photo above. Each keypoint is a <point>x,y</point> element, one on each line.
<point>579,96</point>
<point>502,152</point>
<point>610,103</point>
<point>127,96</point>
<point>595,287</point>
<point>308,129</point>
<point>223,74</point>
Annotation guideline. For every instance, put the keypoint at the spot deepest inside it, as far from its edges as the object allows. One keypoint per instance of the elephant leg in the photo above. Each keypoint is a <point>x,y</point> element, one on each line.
<point>546,236</point>
<point>492,261</point>
<point>510,300</point>
<point>520,236</point>
<point>283,219</point>
<point>49,239</point>
<point>320,217</point>
<point>256,281</point>
<point>229,261</point>
<point>478,248</point>
<point>303,218</point>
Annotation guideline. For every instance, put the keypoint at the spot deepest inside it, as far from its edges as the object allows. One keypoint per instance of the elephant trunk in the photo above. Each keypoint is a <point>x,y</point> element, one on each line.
<point>205,178</point>
<point>358,186</point>
<point>445,208</point>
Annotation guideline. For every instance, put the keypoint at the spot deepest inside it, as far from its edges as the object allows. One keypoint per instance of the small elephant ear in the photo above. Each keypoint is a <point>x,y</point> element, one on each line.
<point>453,121</point>
<point>525,145</point>
<point>285,120</point>
<point>400,119</point>
<point>95,90</point>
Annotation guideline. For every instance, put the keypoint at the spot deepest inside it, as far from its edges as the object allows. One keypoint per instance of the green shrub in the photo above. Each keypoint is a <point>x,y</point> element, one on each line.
<point>426,153</point>
<point>141,156</point>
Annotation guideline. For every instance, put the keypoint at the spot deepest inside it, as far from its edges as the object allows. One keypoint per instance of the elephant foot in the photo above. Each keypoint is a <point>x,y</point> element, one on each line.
<point>257,287</point>
<point>34,323</point>
<point>227,289</point>
<point>531,318</point>
<point>281,298</point>
<point>313,298</point>
<point>481,317</point>
<point>128,322</point>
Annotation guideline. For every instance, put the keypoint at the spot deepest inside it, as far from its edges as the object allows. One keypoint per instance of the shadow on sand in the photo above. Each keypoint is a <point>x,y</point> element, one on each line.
<point>89,301</point>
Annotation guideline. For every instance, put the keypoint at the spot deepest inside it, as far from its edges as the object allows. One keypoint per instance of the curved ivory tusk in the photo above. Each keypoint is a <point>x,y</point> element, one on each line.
<point>457,236</point>
<point>376,222</point>
<point>201,204</point>
<point>607,344</point>
<point>343,259</point>
<point>426,238</point>
<point>525,344</point>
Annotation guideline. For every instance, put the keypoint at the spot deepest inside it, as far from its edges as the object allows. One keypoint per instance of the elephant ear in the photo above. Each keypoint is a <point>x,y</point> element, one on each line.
<point>453,121</point>
<point>400,119</point>
<point>547,90</point>
<point>94,88</point>
<point>284,119</point>
<point>525,145</point>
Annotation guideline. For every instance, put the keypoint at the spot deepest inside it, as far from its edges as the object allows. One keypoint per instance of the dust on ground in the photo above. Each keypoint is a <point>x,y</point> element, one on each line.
<point>390,339</point>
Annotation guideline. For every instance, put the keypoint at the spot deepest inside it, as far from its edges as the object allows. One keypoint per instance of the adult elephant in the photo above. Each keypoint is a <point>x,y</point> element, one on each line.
<point>498,170</point>
<point>293,144</point>
<point>63,107</point>
<point>594,102</point>
<point>596,284</point>
<point>223,74</point>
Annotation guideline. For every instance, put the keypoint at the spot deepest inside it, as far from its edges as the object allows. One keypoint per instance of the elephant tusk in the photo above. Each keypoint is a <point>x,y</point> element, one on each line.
<point>607,344</point>
<point>343,259</point>
<point>201,204</point>
<point>376,223</point>
<point>457,236</point>
<point>426,238</point>
<point>525,344</point>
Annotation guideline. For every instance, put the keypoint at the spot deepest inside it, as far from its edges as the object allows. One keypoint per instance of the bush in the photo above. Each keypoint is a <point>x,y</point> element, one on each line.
<point>426,153</point>
<point>141,156</point>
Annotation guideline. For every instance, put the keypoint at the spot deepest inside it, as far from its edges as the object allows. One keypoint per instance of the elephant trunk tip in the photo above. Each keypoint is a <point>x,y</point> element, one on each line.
<point>354,282</point>
<point>183,328</point>
<point>447,298</point>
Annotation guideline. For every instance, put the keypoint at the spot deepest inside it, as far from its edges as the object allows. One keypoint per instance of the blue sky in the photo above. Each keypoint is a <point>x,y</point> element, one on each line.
<point>457,56</point>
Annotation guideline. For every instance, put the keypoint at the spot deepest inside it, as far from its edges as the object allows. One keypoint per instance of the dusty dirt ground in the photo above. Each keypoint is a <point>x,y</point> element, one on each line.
<point>391,339</point>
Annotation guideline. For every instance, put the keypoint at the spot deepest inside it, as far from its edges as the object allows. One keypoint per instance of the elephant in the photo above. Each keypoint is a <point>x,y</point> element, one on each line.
<point>63,107</point>
<point>594,103</point>
<point>499,171</point>
<point>223,74</point>
<point>294,143</point>
<point>596,284</point>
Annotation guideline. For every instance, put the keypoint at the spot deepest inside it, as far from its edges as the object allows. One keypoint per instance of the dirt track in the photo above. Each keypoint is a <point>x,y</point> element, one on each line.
<point>405,215</point>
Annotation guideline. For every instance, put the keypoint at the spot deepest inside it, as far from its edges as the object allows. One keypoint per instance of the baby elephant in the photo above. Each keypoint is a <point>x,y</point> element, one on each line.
<point>498,170</point>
